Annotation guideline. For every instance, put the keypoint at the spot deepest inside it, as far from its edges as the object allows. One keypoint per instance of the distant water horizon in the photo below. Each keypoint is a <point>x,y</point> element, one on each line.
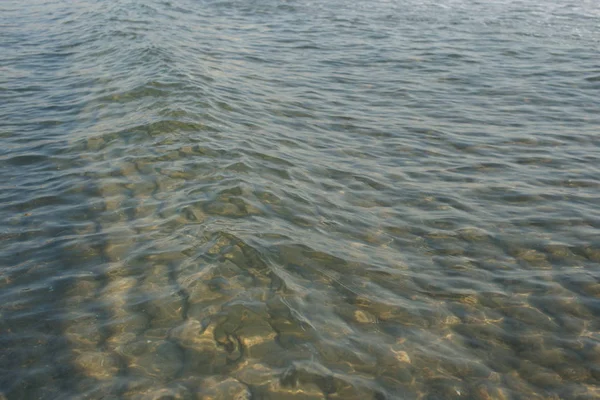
<point>301,200</point>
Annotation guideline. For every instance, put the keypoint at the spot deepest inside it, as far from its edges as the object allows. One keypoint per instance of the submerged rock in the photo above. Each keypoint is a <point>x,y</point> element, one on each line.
<point>203,354</point>
<point>228,389</point>
<point>172,392</point>
<point>83,332</point>
<point>156,359</point>
<point>97,364</point>
<point>255,373</point>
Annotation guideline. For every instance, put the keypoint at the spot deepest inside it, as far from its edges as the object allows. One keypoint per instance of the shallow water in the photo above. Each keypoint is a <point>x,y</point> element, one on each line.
<point>300,200</point>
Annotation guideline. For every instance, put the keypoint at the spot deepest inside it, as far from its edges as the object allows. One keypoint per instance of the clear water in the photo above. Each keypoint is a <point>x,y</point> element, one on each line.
<point>300,199</point>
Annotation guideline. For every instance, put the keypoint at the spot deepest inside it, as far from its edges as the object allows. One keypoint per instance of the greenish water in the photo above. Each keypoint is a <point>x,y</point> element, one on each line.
<point>300,200</point>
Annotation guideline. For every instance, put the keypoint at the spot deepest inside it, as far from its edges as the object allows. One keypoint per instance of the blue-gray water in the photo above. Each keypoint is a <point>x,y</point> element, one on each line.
<point>271,199</point>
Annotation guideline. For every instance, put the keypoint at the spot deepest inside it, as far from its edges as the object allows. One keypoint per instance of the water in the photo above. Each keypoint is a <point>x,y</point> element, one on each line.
<point>300,200</point>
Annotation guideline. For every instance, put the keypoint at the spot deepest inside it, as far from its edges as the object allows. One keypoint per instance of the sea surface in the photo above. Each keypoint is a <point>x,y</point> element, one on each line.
<point>300,200</point>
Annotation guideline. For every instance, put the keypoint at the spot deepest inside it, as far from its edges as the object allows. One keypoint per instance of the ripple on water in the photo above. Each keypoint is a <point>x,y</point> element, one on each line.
<point>235,200</point>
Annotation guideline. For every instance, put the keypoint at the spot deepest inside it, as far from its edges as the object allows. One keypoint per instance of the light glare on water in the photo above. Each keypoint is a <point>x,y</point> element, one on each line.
<point>299,200</point>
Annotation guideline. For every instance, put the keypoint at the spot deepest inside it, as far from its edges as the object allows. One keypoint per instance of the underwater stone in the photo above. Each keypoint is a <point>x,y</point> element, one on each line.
<point>159,359</point>
<point>530,255</point>
<point>116,250</point>
<point>95,143</point>
<point>97,364</point>
<point>275,391</point>
<point>472,234</point>
<point>489,392</point>
<point>401,355</point>
<point>531,316</point>
<point>128,323</point>
<point>592,254</point>
<point>445,388</point>
<point>194,213</point>
<point>539,376</point>
<point>202,311</point>
<point>202,352</point>
<point>290,332</point>
<point>236,256</point>
<point>228,389</point>
<point>224,209</point>
<point>255,373</point>
<point>174,392</point>
<point>165,310</point>
<point>257,339</point>
<point>197,290</point>
<point>572,372</point>
<point>364,317</point>
<point>83,332</point>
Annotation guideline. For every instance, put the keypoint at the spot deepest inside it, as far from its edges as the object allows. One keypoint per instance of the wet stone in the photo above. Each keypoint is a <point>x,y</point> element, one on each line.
<point>255,374</point>
<point>197,289</point>
<point>290,332</point>
<point>83,287</point>
<point>228,389</point>
<point>473,234</point>
<point>545,357</point>
<point>95,143</point>
<point>562,253</point>
<point>593,254</point>
<point>258,339</point>
<point>118,250</point>
<point>203,354</point>
<point>222,243</point>
<point>165,309</point>
<point>236,256</point>
<point>128,322</point>
<point>487,391</point>
<point>194,214</point>
<point>591,289</point>
<point>572,372</point>
<point>539,376</point>
<point>445,388</point>
<point>83,332</point>
<point>119,270</point>
<point>530,255</point>
<point>97,364</point>
<point>156,277</point>
<point>172,392</point>
<point>275,391</point>
<point>203,311</point>
<point>158,359</point>
<point>119,339</point>
<point>224,209</point>
<point>531,316</point>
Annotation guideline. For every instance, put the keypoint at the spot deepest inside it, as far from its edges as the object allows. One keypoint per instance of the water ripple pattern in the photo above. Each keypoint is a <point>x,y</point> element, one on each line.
<point>297,199</point>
